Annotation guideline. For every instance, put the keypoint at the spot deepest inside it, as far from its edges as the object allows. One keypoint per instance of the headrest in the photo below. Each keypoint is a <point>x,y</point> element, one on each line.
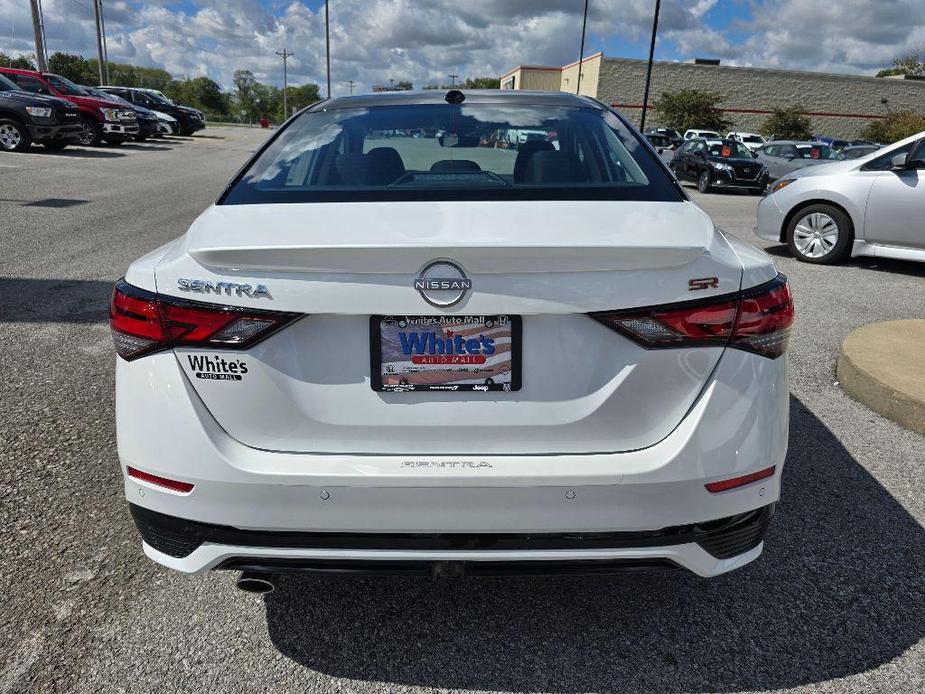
<point>525,152</point>
<point>553,167</point>
<point>455,166</point>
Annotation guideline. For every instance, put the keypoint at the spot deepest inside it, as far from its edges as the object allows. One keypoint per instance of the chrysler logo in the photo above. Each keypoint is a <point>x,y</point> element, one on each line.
<point>442,284</point>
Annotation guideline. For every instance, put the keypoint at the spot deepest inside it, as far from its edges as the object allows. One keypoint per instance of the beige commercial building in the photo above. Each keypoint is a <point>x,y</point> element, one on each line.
<point>837,105</point>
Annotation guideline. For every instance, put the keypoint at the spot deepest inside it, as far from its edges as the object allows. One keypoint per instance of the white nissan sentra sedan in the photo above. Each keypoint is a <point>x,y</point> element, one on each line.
<point>399,342</point>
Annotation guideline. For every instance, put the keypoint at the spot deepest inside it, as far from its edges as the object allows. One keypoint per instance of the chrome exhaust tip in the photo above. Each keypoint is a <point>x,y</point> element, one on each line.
<point>251,582</point>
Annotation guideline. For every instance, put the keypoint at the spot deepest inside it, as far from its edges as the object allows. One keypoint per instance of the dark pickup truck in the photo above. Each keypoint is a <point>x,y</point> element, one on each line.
<point>26,118</point>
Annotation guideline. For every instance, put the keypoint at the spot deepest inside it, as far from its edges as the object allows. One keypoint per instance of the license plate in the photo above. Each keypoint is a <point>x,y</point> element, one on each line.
<point>445,353</point>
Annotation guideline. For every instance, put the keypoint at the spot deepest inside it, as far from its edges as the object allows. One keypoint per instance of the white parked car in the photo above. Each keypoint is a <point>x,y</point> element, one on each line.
<point>398,354</point>
<point>872,206</point>
<point>701,134</point>
<point>753,141</point>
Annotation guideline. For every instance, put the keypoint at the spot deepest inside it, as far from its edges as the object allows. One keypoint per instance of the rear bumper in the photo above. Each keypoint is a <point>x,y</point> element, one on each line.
<point>704,548</point>
<point>738,425</point>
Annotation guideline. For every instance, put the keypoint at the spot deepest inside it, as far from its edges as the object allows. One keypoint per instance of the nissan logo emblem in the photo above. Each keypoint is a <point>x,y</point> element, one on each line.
<point>442,283</point>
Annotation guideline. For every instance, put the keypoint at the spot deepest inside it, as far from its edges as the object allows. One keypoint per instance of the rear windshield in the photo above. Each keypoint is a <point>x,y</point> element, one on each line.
<point>454,152</point>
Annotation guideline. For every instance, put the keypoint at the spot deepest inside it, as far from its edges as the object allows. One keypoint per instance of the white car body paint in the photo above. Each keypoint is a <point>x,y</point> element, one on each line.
<point>604,436</point>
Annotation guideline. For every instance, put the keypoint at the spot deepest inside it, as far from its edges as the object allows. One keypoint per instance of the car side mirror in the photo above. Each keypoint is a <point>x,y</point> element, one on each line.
<point>660,150</point>
<point>790,156</point>
<point>899,161</point>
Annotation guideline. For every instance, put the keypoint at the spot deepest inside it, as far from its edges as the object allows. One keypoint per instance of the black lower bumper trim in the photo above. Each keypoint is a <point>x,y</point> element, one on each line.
<point>722,538</point>
<point>456,569</point>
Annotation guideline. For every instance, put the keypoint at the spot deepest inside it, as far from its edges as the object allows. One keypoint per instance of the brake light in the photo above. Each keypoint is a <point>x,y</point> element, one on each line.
<point>757,320</point>
<point>143,323</point>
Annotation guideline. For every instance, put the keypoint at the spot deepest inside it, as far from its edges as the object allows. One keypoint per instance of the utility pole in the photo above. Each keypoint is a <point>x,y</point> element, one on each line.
<point>105,47</point>
<point>327,44</point>
<point>581,51</point>
<point>285,54</point>
<point>452,80</point>
<point>645,98</point>
<point>352,84</point>
<point>38,27</point>
<point>98,10</point>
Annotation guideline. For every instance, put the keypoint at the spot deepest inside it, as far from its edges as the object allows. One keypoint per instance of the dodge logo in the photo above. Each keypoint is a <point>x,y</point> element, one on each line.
<point>442,284</point>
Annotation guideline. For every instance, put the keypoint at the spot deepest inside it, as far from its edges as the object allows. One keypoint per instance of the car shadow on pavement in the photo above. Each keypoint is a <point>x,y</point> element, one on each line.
<point>838,591</point>
<point>145,147</point>
<point>80,153</point>
<point>24,300</point>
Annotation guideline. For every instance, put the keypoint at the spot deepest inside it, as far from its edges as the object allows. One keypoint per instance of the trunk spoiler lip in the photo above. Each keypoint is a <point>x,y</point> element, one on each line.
<point>385,259</point>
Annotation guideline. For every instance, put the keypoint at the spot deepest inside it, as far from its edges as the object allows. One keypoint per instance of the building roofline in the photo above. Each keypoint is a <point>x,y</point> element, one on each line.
<point>599,54</point>
<point>530,67</point>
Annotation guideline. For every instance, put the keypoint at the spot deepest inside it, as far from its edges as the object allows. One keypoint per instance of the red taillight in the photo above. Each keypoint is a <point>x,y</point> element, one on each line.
<point>143,322</point>
<point>175,485</point>
<point>725,485</point>
<point>765,317</point>
<point>757,320</point>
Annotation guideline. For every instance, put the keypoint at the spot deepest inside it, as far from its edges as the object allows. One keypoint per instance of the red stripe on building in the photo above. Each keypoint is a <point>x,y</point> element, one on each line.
<point>821,114</point>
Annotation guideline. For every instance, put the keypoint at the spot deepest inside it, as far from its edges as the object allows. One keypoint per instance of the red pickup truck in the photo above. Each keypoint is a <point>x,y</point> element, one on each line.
<point>99,119</point>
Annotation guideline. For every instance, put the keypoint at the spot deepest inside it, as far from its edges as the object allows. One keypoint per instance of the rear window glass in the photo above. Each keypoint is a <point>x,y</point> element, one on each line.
<point>454,152</point>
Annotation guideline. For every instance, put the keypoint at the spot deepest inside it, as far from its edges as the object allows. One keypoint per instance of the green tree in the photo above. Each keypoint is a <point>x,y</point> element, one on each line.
<point>200,92</point>
<point>74,67</point>
<point>21,63</point>
<point>302,96</point>
<point>244,82</point>
<point>896,126</point>
<point>787,123</point>
<point>691,108</point>
<point>911,63</point>
<point>135,76</point>
<point>482,83</point>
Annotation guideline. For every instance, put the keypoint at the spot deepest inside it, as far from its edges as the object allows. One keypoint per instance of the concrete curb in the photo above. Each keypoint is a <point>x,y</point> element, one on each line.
<point>883,366</point>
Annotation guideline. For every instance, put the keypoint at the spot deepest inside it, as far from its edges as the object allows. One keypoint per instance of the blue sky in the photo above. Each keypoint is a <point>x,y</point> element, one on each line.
<point>426,40</point>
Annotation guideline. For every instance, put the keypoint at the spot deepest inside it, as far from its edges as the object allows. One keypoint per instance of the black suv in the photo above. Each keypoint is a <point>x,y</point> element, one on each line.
<point>26,118</point>
<point>719,164</point>
<point>189,120</point>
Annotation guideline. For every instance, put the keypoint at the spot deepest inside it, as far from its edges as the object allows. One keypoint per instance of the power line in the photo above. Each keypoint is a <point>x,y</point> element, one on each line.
<point>285,54</point>
<point>452,80</point>
<point>352,84</point>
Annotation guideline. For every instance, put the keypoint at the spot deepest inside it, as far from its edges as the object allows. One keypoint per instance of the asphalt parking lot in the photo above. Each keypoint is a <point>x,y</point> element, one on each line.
<point>836,603</point>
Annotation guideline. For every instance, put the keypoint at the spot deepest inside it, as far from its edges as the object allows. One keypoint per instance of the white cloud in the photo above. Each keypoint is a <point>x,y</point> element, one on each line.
<point>426,40</point>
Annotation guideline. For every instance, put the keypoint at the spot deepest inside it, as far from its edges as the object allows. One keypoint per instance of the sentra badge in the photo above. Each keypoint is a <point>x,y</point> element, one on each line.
<point>254,291</point>
<point>442,284</point>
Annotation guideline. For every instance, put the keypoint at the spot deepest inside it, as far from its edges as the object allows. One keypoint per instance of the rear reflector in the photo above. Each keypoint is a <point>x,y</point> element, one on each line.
<point>757,320</point>
<point>143,323</point>
<point>184,487</point>
<point>725,485</point>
